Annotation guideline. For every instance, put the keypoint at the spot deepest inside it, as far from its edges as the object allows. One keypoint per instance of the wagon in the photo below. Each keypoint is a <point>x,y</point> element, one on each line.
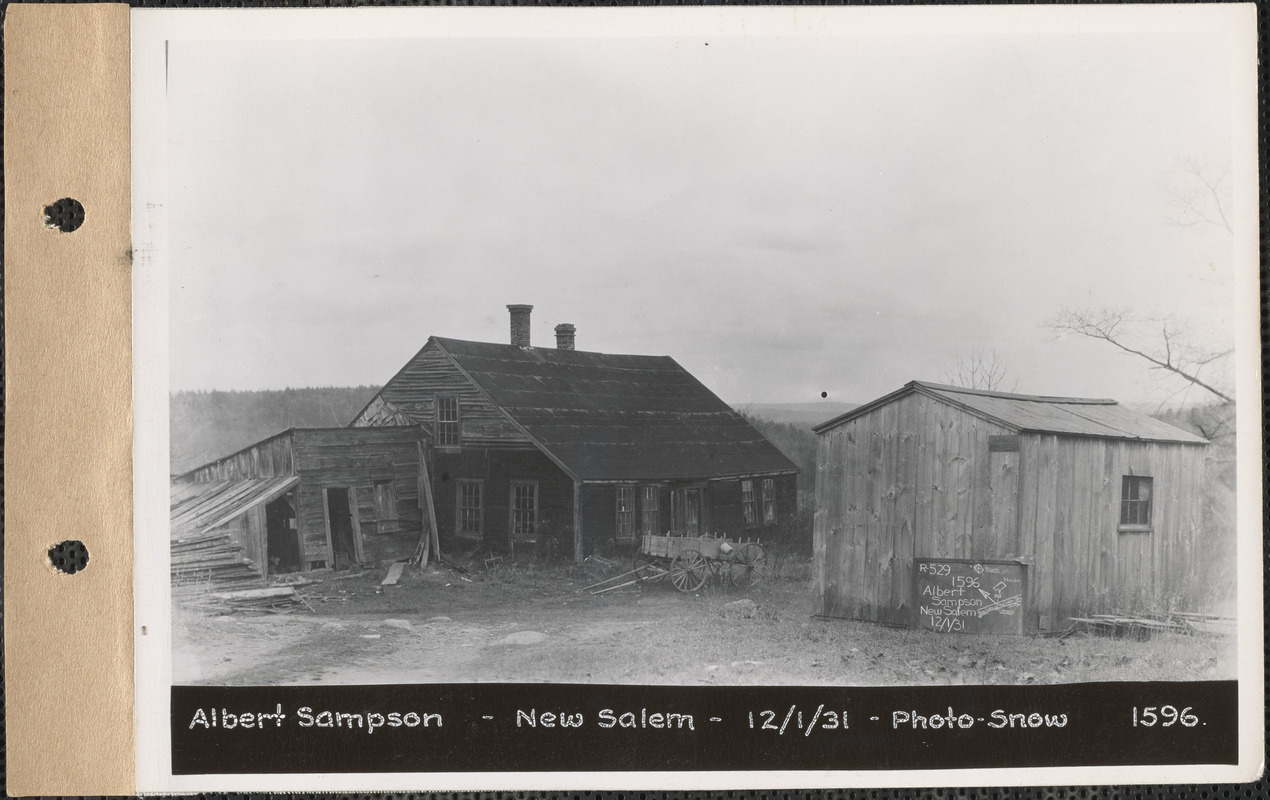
<point>689,561</point>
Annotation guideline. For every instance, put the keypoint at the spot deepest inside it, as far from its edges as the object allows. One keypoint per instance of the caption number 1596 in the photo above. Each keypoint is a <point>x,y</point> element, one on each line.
<point>1164,716</point>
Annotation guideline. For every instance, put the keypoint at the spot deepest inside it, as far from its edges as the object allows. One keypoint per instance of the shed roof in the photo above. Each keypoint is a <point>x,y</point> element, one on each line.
<point>617,417</point>
<point>200,507</point>
<point>1066,416</point>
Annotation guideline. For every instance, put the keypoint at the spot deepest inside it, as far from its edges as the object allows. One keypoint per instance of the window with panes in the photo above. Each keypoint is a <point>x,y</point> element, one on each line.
<point>447,421</point>
<point>471,509</point>
<point>769,500</point>
<point>626,512</point>
<point>524,509</point>
<point>650,509</point>
<point>749,503</point>
<point>1135,502</point>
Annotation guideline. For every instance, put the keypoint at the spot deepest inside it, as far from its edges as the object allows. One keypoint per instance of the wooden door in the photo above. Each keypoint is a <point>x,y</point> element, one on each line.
<point>340,523</point>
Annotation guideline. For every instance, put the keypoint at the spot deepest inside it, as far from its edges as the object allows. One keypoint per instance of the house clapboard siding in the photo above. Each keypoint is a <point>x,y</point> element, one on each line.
<point>412,393</point>
<point>928,473</point>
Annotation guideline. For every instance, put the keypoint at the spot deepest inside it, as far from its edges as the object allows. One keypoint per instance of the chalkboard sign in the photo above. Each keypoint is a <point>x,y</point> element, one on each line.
<point>953,595</point>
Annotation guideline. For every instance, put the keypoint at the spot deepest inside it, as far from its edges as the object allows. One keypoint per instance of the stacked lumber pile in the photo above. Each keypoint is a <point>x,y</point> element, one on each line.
<point>214,557</point>
<point>1146,626</point>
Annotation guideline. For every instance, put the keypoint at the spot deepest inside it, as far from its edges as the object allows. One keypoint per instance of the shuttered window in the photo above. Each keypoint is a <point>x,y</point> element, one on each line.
<point>1135,502</point>
<point>385,501</point>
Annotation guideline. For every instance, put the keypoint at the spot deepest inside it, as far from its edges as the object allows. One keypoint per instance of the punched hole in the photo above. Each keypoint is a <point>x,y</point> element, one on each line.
<point>70,556</point>
<point>65,215</point>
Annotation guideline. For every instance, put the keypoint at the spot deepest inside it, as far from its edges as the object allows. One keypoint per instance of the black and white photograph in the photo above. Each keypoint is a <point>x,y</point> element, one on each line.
<point>873,350</point>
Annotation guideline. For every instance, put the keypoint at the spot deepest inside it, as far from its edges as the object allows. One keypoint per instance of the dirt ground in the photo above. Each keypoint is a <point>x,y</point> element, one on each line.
<point>524,623</point>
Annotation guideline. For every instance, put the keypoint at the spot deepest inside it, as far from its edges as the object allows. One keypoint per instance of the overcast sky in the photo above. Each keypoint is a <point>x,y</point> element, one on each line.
<point>783,216</point>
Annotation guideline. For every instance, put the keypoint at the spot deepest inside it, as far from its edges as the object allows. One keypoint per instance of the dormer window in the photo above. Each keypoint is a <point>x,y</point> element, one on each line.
<point>447,421</point>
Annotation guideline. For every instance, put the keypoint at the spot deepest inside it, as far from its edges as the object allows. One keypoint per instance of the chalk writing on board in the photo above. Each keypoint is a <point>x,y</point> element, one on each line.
<point>966,596</point>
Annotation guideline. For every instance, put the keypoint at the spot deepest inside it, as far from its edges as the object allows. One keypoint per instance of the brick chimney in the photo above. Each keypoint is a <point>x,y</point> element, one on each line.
<point>564,336</point>
<point>520,324</point>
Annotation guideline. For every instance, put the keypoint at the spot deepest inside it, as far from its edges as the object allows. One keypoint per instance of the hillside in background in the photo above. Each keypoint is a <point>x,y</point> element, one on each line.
<point>207,425</point>
<point>789,427</point>
<point>803,415</point>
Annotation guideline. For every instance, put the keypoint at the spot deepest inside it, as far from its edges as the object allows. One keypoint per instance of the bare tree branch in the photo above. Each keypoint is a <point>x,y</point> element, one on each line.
<point>1205,205</point>
<point>1178,354</point>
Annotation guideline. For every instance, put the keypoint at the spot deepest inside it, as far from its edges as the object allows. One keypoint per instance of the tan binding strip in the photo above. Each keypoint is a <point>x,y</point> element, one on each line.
<point>68,449</point>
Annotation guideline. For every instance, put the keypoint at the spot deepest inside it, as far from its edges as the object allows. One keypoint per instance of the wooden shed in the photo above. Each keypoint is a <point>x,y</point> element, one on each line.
<point>1099,505</point>
<point>303,499</point>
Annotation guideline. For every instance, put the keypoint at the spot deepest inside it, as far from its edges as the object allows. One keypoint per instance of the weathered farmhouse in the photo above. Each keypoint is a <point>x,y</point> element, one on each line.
<point>504,446</point>
<point>581,447</point>
<point>307,498</point>
<point>1102,504</point>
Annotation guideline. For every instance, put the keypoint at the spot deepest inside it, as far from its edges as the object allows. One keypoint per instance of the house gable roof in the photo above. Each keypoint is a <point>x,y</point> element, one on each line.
<point>606,417</point>
<point>1064,416</point>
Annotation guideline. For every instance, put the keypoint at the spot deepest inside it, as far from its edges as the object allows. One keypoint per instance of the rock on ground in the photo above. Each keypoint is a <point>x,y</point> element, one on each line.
<point>523,637</point>
<point>398,623</point>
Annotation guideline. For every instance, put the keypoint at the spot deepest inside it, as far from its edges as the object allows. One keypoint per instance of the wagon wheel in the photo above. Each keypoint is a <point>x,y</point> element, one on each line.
<point>748,565</point>
<point>688,571</point>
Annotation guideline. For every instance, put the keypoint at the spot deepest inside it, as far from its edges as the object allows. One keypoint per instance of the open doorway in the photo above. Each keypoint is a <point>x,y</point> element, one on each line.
<point>282,536</point>
<point>343,525</point>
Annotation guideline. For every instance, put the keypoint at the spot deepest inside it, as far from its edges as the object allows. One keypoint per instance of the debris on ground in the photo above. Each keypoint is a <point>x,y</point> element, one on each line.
<point>598,567</point>
<point>1147,625</point>
<point>399,623</point>
<point>277,599</point>
<point>744,608</point>
<point>394,574</point>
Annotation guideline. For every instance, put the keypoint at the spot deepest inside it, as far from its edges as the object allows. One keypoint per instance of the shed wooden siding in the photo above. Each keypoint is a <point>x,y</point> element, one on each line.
<point>352,458</point>
<point>269,458</point>
<point>1082,563</point>
<point>897,482</point>
<point>355,458</point>
<point>917,478</point>
<point>413,392</point>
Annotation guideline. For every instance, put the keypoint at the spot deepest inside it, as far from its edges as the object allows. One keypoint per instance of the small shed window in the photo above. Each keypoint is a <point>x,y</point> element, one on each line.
<point>749,503</point>
<point>470,508</point>
<point>1135,502</point>
<point>447,421</point>
<point>626,512</point>
<point>769,500</point>
<point>650,509</point>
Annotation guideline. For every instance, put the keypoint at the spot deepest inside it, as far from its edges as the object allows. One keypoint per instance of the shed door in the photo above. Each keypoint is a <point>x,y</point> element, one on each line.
<point>343,527</point>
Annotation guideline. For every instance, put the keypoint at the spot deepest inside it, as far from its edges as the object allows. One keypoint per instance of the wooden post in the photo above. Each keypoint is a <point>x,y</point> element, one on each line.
<point>429,539</point>
<point>577,521</point>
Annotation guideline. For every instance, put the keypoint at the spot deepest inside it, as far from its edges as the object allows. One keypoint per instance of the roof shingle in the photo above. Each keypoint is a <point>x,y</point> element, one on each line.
<point>617,417</point>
